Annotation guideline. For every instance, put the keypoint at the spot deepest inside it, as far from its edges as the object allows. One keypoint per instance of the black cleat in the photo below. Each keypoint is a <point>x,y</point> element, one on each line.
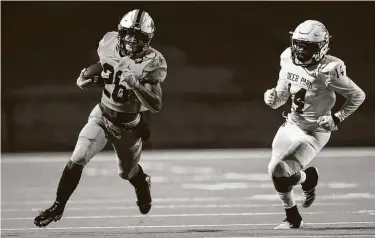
<point>53,213</point>
<point>144,195</point>
<point>308,187</point>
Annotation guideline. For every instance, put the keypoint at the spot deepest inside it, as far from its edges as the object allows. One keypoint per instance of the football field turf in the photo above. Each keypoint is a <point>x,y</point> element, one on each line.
<point>198,193</point>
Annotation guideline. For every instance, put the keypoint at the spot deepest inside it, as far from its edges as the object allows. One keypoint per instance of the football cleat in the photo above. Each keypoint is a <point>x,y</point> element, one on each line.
<point>53,213</point>
<point>308,187</point>
<point>288,225</point>
<point>143,193</point>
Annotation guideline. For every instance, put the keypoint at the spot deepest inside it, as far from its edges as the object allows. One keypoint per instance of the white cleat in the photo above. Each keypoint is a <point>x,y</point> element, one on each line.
<point>287,225</point>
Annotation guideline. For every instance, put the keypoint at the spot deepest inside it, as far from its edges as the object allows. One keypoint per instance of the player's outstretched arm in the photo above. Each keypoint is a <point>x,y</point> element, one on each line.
<point>342,84</point>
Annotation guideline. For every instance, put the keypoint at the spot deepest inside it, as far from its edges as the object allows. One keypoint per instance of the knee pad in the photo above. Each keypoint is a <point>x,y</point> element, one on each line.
<point>124,175</point>
<point>80,153</point>
<point>71,165</point>
<point>285,172</point>
<point>285,184</point>
<point>280,169</point>
<point>128,175</point>
<point>289,162</point>
<point>284,168</point>
<point>282,184</point>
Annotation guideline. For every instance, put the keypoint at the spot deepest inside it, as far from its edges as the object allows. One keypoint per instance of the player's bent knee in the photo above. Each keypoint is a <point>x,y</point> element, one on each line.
<point>127,174</point>
<point>284,175</point>
<point>282,184</point>
<point>279,169</point>
<point>71,165</point>
<point>80,153</point>
<point>124,175</point>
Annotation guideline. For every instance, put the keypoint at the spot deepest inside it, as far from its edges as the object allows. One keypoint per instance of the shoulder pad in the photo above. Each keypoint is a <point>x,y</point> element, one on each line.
<point>286,56</point>
<point>107,39</point>
<point>156,70</point>
<point>330,62</point>
<point>333,66</point>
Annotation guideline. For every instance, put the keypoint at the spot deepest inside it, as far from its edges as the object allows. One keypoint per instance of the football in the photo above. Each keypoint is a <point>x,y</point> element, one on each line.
<point>93,70</point>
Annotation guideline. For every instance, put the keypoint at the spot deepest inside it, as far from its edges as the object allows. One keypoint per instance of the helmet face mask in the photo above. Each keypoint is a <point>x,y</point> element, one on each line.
<point>309,43</point>
<point>135,32</point>
<point>133,41</point>
<point>304,51</point>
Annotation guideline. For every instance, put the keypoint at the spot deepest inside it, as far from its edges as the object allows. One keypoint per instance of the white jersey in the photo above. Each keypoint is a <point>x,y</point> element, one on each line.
<point>116,94</point>
<point>312,90</point>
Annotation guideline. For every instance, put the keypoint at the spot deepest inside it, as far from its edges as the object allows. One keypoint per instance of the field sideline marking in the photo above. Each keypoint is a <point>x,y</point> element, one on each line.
<point>181,155</point>
<point>173,226</point>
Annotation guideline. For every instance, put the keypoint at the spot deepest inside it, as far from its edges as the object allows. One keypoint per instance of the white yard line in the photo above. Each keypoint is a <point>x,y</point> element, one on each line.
<point>183,155</point>
<point>175,226</point>
<point>168,215</point>
<point>127,207</point>
<point>266,198</point>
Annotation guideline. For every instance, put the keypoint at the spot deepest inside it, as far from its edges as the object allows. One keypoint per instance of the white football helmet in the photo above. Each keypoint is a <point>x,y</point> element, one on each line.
<point>309,43</point>
<point>135,32</point>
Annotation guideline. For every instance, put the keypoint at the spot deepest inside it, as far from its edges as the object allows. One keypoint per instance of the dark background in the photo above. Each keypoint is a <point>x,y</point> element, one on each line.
<point>222,56</point>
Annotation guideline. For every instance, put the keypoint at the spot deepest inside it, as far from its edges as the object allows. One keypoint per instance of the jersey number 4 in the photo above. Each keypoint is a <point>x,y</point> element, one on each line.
<point>299,98</point>
<point>120,93</point>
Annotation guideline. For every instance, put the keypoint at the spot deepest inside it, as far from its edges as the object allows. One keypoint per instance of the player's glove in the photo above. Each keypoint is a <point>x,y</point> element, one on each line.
<point>84,83</point>
<point>328,122</point>
<point>130,79</point>
<point>270,96</point>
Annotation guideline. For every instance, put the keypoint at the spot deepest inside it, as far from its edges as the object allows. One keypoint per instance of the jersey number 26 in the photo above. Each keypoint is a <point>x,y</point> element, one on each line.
<point>120,94</point>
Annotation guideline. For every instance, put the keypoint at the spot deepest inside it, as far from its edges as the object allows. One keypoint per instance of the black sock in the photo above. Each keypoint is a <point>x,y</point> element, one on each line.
<point>292,214</point>
<point>68,182</point>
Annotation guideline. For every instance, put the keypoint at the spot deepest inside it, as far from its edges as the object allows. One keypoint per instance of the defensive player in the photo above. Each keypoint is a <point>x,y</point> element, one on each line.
<point>311,78</point>
<point>132,76</point>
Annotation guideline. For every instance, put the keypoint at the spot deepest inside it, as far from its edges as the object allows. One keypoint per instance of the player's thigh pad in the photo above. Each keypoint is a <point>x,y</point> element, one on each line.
<point>128,151</point>
<point>293,149</point>
<point>91,140</point>
<point>290,162</point>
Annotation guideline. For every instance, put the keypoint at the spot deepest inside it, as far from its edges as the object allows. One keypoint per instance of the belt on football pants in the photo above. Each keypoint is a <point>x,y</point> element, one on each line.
<point>118,118</point>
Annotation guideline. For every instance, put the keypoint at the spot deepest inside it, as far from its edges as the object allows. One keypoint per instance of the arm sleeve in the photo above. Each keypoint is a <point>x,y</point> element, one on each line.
<point>342,84</point>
